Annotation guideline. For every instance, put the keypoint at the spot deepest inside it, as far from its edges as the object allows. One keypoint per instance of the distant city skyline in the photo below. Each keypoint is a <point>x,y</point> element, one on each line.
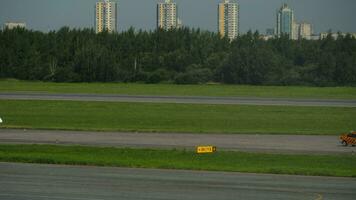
<point>254,15</point>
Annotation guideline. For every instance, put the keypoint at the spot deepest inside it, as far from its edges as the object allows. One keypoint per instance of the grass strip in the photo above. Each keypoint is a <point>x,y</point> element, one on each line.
<point>314,165</point>
<point>9,85</point>
<point>193,118</point>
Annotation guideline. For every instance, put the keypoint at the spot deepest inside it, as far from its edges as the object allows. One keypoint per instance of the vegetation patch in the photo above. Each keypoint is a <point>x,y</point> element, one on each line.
<point>7,85</point>
<point>183,56</point>
<point>193,118</point>
<point>318,165</point>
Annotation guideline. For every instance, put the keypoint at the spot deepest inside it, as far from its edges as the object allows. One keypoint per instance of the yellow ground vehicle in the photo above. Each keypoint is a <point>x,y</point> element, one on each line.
<point>348,139</point>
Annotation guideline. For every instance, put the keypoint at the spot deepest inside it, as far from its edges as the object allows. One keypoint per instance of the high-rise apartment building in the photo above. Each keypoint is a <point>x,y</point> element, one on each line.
<point>305,31</point>
<point>296,27</point>
<point>167,15</point>
<point>106,16</point>
<point>285,22</point>
<point>228,19</point>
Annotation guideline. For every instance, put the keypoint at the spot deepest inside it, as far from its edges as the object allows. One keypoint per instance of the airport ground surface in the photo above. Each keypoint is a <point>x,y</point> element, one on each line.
<point>33,181</point>
<point>180,99</point>
<point>36,182</point>
<point>300,144</point>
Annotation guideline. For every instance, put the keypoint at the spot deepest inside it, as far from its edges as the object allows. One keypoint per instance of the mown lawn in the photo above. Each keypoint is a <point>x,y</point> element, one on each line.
<point>317,165</point>
<point>156,117</point>
<point>180,90</point>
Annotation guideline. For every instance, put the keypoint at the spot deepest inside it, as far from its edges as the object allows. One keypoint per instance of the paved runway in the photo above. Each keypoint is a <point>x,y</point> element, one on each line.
<point>180,99</point>
<point>233,142</point>
<point>37,182</point>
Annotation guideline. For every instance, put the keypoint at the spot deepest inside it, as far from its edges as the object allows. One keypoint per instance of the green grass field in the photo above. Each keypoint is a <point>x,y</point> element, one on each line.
<point>151,117</point>
<point>319,165</point>
<point>180,90</point>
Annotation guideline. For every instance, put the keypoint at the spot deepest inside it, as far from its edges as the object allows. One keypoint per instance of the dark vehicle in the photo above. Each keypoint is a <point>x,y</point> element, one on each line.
<point>348,139</point>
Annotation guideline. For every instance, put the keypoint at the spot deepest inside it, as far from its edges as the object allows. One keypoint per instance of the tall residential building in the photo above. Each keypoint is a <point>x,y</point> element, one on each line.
<point>305,31</point>
<point>296,28</point>
<point>285,22</point>
<point>12,25</point>
<point>228,19</point>
<point>167,15</point>
<point>106,16</point>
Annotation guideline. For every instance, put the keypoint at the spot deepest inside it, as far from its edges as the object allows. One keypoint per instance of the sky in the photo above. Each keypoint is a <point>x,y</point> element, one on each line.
<point>45,15</point>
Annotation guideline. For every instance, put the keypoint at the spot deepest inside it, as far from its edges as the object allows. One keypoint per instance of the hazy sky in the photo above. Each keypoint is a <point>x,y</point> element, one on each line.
<point>338,15</point>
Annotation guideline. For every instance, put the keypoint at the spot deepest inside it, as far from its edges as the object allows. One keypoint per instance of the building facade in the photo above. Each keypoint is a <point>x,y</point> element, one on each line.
<point>106,16</point>
<point>296,28</point>
<point>167,15</point>
<point>305,31</point>
<point>285,22</point>
<point>12,25</point>
<point>335,35</point>
<point>228,19</point>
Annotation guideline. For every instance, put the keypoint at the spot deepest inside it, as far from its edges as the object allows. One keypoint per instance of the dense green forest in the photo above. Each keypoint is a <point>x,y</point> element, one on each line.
<point>177,56</point>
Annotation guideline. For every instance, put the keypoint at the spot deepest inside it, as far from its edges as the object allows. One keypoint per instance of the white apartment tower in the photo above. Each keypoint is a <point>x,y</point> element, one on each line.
<point>305,31</point>
<point>296,28</point>
<point>228,19</point>
<point>106,16</point>
<point>167,17</point>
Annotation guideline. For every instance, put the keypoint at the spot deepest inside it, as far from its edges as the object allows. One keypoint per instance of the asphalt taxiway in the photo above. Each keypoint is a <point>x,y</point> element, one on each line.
<point>180,99</point>
<point>296,144</point>
<point>56,182</point>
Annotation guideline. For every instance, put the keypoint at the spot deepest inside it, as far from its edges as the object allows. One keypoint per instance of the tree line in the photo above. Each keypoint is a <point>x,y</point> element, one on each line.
<point>182,56</point>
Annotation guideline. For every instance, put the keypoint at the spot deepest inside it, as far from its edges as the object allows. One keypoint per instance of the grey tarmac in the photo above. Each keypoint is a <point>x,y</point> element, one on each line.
<point>295,144</point>
<point>57,182</point>
<point>181,99</point>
